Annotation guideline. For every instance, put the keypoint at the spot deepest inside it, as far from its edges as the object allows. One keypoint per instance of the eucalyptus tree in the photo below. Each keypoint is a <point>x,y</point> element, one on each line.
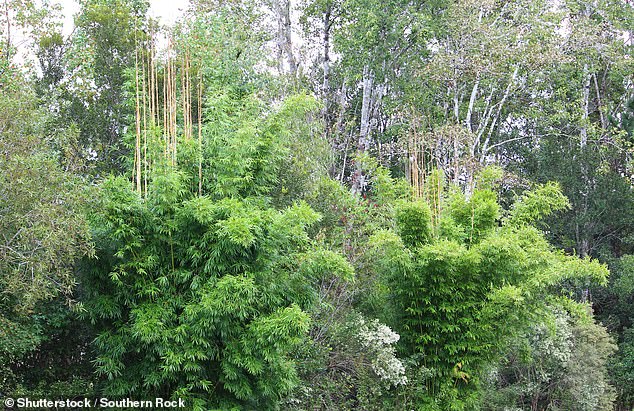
<point>575,142</point>
<point>22,23</point>
<point>367,48</point>
<point>470,97</point>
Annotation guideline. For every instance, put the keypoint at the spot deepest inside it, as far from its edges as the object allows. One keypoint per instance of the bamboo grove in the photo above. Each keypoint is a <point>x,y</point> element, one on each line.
<point>318,204</point>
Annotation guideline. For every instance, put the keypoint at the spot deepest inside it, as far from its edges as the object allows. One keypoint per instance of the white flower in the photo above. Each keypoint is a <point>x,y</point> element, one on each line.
<point>378,339</point>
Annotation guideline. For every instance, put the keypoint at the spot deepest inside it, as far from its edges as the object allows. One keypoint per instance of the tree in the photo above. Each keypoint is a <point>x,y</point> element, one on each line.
<point>623,370</point>
<point>374,46</point>
<point>559,364</point>
<point>42,229</point>
<point>576,145</point>
<point>91,92</point>
<point>615,308</point>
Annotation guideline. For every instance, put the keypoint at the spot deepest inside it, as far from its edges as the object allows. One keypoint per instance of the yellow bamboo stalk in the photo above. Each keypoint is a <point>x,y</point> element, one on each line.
<point>150,78</point>
<point>172,103</point>
<point>137,148</point>
<point>183,95</point>
<point>155,91</point>
<point>190,115</point>
<point>168,102</point>
<point>165,132</point>
<point>200,132</point>
<point>144,127</point>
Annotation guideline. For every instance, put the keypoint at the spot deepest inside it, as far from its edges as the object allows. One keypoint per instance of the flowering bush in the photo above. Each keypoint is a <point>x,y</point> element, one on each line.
<point>378,339</point>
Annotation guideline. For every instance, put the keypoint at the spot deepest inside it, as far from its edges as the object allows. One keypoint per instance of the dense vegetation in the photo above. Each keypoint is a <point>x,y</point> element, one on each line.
<point>328,204</point>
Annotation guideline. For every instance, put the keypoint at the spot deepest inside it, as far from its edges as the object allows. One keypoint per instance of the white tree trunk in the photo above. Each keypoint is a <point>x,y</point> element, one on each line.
<point>366,106</point>
<point>363,144</point>
<point>474,94</point>
<point>585,106</point>
<point>282,10</point>
<point>485,146</point>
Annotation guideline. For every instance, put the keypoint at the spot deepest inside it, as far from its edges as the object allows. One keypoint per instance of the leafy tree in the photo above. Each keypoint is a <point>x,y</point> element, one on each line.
<point>86,79</point>
<point>42,230</point>
<point>559,364</point>
<point>615,308</point>
<point>623,370</point>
